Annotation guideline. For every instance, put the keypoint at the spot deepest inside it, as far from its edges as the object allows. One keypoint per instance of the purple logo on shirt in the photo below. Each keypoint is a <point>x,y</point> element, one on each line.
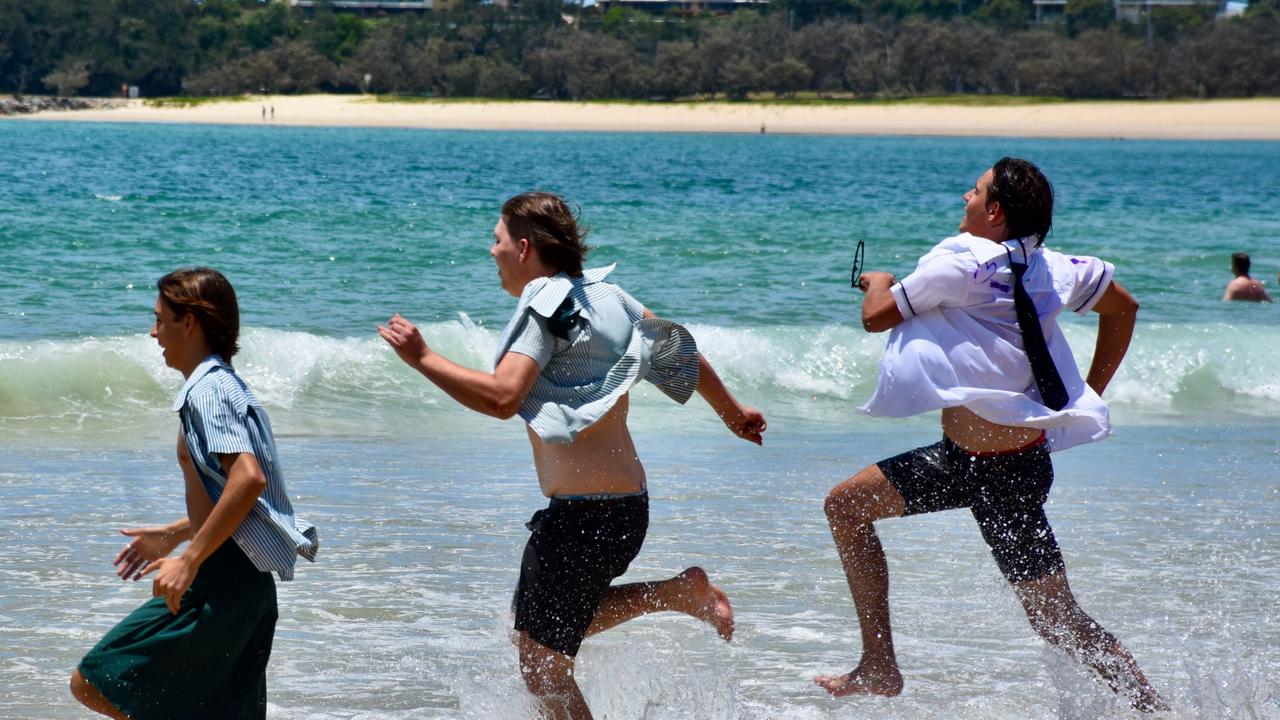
<point>985,271</point>
<point>999,286</point>
<point>1077,261</point>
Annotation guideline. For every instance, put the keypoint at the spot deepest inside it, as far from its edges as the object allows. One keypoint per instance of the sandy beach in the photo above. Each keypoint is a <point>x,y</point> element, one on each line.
<point>1213,120</point>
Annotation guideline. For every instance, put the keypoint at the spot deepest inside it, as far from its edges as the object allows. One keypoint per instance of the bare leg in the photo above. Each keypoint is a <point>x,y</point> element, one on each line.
<point>1054,614</point>
<point>89,696</point>
<point>690,593</point>
<point>852,507</point>
<point>549,676</point>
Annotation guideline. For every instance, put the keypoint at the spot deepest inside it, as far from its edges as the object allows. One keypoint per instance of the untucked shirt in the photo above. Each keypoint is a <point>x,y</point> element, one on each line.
<point>220,415</point>
<point>959,343</point>
<point>590,340</point>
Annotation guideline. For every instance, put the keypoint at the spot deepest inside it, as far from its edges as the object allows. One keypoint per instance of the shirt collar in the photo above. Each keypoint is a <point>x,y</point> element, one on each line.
<point>204,368</point>
<point>545,294</point>
<point>986,251</point>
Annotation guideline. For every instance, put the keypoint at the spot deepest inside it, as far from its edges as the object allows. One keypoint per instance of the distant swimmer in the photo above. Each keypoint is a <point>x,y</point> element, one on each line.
<point>566,363</point>
<point>974,333</point>
<point>199,647</point>
<point>1243,287</point>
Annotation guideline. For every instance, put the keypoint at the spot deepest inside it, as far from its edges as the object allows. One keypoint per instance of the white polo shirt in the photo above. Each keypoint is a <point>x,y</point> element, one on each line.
<point>959,342</point>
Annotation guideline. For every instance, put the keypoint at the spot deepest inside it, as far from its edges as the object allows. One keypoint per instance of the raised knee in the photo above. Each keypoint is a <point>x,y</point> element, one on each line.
<point>79,687</point>
<point>848,502</point>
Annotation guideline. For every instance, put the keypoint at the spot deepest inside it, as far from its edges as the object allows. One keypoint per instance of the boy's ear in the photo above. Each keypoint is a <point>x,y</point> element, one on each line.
<point>995,213</point>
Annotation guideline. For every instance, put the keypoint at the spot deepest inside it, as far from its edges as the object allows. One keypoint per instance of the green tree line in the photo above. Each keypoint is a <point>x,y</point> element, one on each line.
<point>863,48</point>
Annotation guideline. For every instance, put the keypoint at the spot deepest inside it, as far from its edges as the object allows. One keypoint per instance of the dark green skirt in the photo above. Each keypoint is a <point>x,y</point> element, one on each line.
<point>207,661</point>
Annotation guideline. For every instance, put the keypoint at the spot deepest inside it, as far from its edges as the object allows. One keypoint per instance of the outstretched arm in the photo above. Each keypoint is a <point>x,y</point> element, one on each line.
<point>1118,314</point>
<point>746,422</point>
<point>498,394</point>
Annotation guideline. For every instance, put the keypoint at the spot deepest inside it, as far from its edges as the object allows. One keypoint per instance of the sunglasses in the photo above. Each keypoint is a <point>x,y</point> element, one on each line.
<point>856,275</point>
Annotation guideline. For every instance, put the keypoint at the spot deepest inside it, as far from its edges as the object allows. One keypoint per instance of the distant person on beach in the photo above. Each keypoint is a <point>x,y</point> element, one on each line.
<point>975,335</point>
<point>1243,287</point>
<point>565,363</point>
<point>199,647</point>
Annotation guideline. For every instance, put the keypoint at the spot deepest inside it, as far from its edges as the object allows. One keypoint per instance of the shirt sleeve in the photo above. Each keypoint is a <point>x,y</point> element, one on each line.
<point>534,339</point>
<point>1091,278</point>
<point>941,281</point>
<point>224,427</point>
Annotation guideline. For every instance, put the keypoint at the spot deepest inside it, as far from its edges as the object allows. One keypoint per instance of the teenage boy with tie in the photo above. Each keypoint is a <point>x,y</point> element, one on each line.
<point>975,335</point>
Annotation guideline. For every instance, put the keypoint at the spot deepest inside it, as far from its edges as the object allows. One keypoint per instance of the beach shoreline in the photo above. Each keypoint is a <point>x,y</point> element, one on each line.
<point>1247,119</point>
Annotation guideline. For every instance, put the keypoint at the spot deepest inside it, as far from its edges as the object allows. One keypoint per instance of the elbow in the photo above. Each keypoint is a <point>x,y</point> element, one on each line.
<point>504,407</point>
<point>880,313</point>
<point>1129,313</point>
<point>247,486</point>
<point>875,325</point>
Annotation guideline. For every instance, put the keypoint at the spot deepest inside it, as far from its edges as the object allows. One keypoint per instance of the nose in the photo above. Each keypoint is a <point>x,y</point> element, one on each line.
<point>153,331</point>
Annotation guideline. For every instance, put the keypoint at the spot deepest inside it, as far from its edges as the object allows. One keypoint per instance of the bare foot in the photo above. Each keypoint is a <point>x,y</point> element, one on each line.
<point>863,681</point>
<point>1148,701</point>
<point>708,603</point>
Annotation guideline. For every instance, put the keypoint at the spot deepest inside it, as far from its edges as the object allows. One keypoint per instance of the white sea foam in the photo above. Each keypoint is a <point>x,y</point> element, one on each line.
<point>357,384</point>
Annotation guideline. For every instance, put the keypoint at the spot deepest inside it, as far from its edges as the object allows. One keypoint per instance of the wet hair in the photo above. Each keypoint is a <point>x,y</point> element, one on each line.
<point>1240,263</point>
<point>1026,197</point>
<point>207,294</point>
<point>550,226</point>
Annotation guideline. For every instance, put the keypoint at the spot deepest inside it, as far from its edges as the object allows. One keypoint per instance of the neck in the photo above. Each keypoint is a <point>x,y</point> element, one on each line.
<point>534,271</point>
<point>188,363</point>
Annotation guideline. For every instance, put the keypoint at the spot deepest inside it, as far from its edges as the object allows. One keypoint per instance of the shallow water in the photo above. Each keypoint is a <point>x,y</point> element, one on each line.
<point>405,614</point>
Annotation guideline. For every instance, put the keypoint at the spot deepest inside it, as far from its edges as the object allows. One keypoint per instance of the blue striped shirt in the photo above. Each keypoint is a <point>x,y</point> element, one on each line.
<point>220,415</point>
<point>593,345</point>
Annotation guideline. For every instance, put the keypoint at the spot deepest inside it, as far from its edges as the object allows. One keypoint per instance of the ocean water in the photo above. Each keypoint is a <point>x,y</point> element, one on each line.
<point>1169,527</point>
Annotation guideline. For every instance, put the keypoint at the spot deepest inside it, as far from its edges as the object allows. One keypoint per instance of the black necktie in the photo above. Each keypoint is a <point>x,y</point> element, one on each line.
<point>1052,392</point>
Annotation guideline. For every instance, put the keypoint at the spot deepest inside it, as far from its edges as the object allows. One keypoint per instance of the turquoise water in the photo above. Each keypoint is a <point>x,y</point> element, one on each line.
<point>1168,527</point>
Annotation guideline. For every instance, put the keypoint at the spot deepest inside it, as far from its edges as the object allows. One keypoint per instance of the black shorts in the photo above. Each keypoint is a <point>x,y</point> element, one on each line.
<point>1005,492</point>
<point>575,550</point>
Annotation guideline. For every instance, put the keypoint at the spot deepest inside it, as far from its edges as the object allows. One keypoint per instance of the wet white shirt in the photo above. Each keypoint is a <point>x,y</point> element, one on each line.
<point>959,342</point>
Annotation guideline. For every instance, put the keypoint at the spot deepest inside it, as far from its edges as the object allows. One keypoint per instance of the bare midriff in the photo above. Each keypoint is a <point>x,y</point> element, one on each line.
<point>600,460</point>
<point>199,505</point>
<point>977,435</point>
